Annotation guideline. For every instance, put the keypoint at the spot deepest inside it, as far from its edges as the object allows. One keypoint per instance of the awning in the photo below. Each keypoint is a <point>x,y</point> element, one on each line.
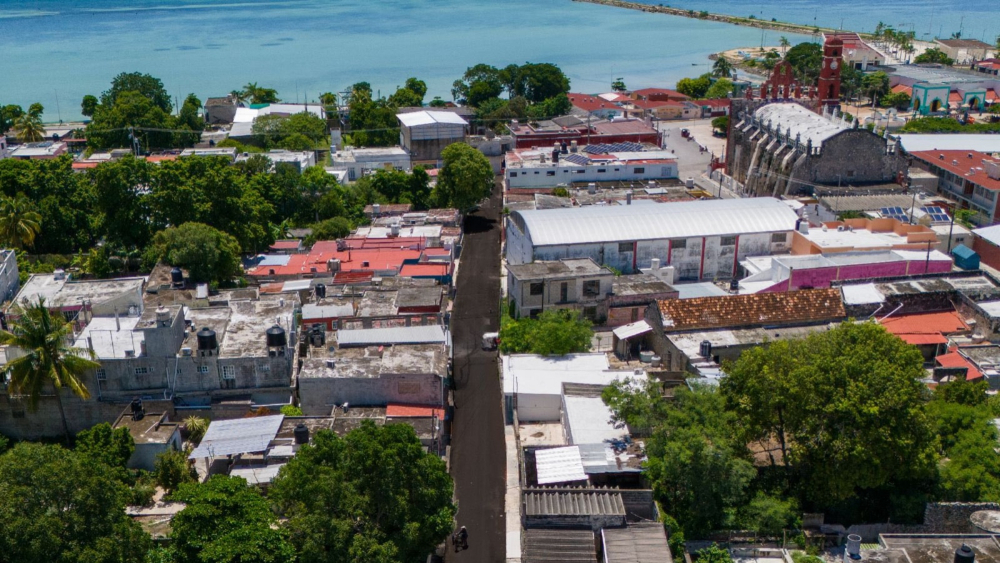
<point>632,329</point>
<point>238,436</point>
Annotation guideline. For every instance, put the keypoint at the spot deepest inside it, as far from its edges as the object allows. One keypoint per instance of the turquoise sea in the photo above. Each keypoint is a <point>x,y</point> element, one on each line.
<point>56,51</point>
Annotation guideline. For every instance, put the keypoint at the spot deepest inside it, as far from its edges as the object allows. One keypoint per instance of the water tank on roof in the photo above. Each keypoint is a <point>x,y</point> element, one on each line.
<point>206,339</point>
<point>301,434</point>
<point>705,349</point>
<point>176,276</point>
<point>965,554</point>
<point>321,290</point>
<point>276,337</point>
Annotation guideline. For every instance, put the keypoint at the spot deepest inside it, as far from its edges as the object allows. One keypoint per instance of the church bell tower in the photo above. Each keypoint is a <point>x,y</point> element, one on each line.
<point>828,85</point>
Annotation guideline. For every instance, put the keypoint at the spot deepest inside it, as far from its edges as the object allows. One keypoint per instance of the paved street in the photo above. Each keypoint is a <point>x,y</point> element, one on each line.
<point>478,461</point>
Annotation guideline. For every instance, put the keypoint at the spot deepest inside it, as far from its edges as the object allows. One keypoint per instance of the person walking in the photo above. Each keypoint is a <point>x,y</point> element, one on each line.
<point>463,538</point>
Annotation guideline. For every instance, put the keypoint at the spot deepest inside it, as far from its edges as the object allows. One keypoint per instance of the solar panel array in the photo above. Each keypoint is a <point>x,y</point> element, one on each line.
<point>937,214</point>
<point>602,148</point>
<point>580,159</point>
<point>896,213</point>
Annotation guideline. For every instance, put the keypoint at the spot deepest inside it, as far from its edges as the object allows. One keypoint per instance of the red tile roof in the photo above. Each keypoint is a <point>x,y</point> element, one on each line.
<point>902,88</point>
<point>715,103</point>
<point>947,322</point>
<point>401,410</point>
<point>286,245</point>
<point>794,307</point>
<point>652,104</point>
<point>922,339</point>
<point>646,92</point>
<point>956,360</point>
<point>426,269</point>
<point>954,98</point>
<point>590,103</point>
<point>960,163</point>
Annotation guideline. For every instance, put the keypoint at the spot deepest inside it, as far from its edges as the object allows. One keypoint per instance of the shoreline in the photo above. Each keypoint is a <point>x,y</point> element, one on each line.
<point>720,18</point>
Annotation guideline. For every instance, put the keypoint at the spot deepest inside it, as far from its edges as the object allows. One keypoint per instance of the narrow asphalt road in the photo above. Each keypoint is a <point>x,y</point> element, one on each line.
<point>477,448</point>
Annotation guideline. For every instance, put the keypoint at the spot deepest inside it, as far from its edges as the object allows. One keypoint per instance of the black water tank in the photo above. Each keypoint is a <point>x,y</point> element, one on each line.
<point>705,349</point>
<point>564,147</point>
<point>301,434</point>
<point>176,276</point>
<point>555,155</point>
<point>965,554</point>
<point>207,340</point>
<point>276,337</point>
<point>321,290</point>
<point>734,285</point>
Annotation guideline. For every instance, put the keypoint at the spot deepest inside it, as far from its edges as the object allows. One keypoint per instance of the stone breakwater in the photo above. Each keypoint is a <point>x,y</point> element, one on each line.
<point>721,18</point>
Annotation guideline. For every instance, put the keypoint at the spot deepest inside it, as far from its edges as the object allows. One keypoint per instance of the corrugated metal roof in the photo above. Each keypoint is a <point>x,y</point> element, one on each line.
<point>644,542</point>
<point>238,436</point>
<point>419,118</point>
<point>313,311</point>
<point>559,465</point>
<point>558,546</point>
<point>803,123</point>
<point>675,220</point>
<point>632,329</point>
<point>566,503</point>
<point>431,334</point>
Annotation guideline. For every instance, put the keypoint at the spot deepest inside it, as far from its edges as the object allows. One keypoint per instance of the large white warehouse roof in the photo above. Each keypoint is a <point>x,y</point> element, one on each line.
<point>656,221</point>
<point>805,123</point>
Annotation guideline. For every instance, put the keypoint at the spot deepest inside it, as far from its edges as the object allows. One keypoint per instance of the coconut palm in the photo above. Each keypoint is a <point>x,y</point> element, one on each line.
<point>29,128</point>
<point>19,222</point>
<point>44,357</point>
<point>722,67</point>
<point>783,42</point>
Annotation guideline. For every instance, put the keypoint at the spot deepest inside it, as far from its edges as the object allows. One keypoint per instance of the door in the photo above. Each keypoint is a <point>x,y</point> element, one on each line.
<point>563,292</point>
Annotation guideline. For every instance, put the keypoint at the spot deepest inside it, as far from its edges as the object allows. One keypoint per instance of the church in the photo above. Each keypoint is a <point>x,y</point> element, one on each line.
<point>792,139</point>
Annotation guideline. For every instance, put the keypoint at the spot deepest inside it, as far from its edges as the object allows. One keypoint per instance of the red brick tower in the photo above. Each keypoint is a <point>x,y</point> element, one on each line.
<point>828,85</point>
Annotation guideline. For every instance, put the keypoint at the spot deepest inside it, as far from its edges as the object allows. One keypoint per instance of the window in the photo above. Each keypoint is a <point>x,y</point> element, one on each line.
<point>536,288</point>
<point>581,171</point>
<point>550,173</point>
<point>102,374</point>
<point>850,173</point>
<point>625,247</point>
<point>141,371</point>
<point>602,170</point>
<point>536,172</point>
<point>779,238</point>
<point>202,369</point>
<point>639,170</point>
<point>228,372</point>
<point>592,288</point>
<point>679,243</point>
<point>265,368</point>
<point>590,313</point>
<point>728,241</point>
<point>513,174</point>
<point>635,314</point>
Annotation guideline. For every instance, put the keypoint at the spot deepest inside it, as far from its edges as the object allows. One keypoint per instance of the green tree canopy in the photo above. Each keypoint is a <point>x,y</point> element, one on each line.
<point>145,85</point>
<point>226,521</point>
<point>58,506</point>
<point>112,447</point>
<point>695,87</point>
<point>722,67</point>
<point>697,465</point>
<point>373,495</point>
<point>934,55</point>
<point>721,88</point>
<point>806,60</point>
<point>555,332</point>
<point>89,105</point>
<point>330,229</point>
<point>846,405</point>
<point>19,222</point>
<point>466,177</point>
<point>207,253</point>
<point>259,95</point>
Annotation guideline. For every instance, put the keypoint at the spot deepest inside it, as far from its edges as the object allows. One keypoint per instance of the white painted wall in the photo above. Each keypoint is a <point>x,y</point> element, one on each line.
<point>565,173</point>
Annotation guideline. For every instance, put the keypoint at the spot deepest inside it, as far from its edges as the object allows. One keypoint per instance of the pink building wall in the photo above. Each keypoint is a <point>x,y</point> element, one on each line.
<point>817,278</point>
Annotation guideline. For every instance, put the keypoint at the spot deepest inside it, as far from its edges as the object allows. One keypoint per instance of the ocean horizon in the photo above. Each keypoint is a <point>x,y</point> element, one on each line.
<point>57,51</point>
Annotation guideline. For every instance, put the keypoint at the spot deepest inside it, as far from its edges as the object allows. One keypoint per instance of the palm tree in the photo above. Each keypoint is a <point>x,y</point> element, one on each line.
<point>29,128</point>
<point>722,67</point>
<point>47,357</point>
<point>239,96</point>
<point>784,45</point>
<point>251,92</point>
<point>19,222</point>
